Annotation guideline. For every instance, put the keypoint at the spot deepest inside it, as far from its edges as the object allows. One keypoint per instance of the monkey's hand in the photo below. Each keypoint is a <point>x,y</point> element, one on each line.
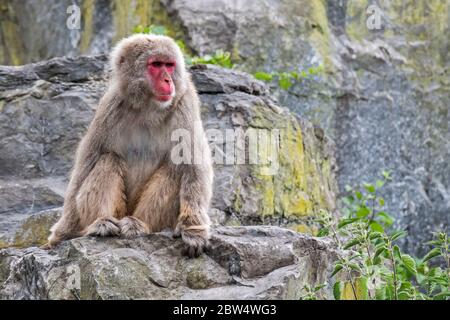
<point>195,239</point>
<point>46,246</point>
<point>53,240</point>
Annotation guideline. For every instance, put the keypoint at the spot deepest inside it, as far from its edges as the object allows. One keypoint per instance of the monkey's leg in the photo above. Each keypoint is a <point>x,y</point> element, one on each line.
<point>101,200</point>
<point>157,207</point>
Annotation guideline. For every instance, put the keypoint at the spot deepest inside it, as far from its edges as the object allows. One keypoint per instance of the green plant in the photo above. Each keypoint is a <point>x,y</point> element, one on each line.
<point>285,80</point>
<point>152,29</point>
<point>371,264</point>
<point>312,293</point>
<point>220,57</point>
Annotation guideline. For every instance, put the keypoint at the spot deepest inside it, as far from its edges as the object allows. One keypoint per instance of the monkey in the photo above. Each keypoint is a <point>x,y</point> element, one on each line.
<point>124,181</point>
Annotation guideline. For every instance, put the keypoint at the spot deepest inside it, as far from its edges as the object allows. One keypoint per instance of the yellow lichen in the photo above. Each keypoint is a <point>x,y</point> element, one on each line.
<point>86,35</point>
<point>297,189</point>
<point>13,51</point>
<point>320,35</point>
<point>304,228</point>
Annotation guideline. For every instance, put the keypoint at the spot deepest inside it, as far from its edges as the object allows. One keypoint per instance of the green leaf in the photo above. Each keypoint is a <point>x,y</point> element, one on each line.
<point>409,263</point>
<point>348,200</point>
<point>320,286</point>
<point>430,255</point>
<point>323,232</point>
<point>375,235</point>
<point>358,195</point>
<point>386,175</point>
<point>362,212</point>
<point>338,267</point>
<point>435,272</point>
<point>380,251</point>
<point>285,83</point>
<point>363,290</point>
<point>379,183</point>
<point>390,291</point>
<point>404,295</point>
<point>385,218</point>
<point>381,202</point>
<point>345,222</point>
<point>398,234</point>
<point>442,295</point>
<point>295,75</point>
<point>354,266</point>
<point>375,226</point>
<point>397,252</point>
<point>369,187</point>
<point>181,44</point>
<point>351,243</point>
<point>433,243</point>
<point>138,29</point>
<point>263,76</point>
<point>337,290</point>
<point>380,293</point>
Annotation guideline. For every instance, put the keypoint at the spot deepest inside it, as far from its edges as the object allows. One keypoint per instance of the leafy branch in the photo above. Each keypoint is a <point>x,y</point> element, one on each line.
<point>371,264</point>
<point>285,80</point>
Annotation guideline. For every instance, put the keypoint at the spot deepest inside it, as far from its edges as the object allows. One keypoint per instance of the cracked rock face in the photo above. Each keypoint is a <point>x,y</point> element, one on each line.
<point>243,263</point>
<point>383,97</point>
<point>46,107</point>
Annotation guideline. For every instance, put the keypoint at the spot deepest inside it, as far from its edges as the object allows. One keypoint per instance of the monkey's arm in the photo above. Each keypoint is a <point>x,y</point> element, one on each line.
<point>195,195</point>
<point>193,220</point>
<point>88,153</point>
<point>68,226</point>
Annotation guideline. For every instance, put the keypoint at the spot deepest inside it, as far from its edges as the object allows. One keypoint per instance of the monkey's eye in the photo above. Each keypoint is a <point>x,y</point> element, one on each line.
<point>170,65</point>
<point>157,64</point>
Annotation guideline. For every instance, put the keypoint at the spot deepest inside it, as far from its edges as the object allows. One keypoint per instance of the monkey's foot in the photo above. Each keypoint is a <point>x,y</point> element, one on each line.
<point>103,227</point>
<point>196,241</point>
<point>132,227</point>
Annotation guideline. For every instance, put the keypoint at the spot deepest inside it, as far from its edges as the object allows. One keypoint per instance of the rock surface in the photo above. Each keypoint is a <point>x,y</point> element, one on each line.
<point>383,97</point>
<point>242,263</point>
<point>46,107</point>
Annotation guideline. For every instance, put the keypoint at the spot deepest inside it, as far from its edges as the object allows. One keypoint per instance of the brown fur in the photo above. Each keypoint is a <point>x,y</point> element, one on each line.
<point>123,179</point>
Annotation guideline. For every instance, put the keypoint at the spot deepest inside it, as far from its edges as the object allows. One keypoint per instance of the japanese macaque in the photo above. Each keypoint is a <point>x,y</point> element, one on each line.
<point>124,181</point>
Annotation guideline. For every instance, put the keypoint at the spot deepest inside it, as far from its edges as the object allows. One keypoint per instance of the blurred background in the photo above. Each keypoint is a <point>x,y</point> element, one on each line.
<point>372,75</point>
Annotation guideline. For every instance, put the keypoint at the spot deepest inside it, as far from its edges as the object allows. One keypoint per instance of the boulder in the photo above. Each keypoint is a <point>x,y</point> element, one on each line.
<point>257,262</point>
<point>45,109</point>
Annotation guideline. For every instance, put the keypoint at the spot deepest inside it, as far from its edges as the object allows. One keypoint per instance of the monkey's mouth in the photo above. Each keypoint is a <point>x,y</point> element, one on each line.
<point>164,97</point>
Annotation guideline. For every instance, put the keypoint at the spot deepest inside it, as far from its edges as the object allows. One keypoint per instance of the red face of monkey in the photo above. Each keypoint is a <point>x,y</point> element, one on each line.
<point>160,72</point>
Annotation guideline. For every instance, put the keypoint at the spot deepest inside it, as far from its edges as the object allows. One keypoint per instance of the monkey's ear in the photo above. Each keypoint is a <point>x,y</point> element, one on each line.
<point>121,59</point>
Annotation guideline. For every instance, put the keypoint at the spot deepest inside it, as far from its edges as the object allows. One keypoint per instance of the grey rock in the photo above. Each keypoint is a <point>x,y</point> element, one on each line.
<point>20,200</point>
<point>46,108</point>
<point>383,96</point>
<point>25,230</point>
<point>242,263</point>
